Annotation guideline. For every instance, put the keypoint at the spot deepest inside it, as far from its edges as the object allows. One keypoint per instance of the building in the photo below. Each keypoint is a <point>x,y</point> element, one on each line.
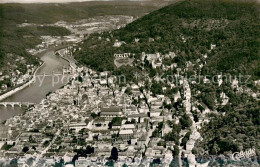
<point>78,126</point>
<point>126,134</point>
<point>81,162</point>
<point>3,132</point>
<point>128,126</point>
<point>122,55</point>
<point>155,112</point>
<point>111,112</point>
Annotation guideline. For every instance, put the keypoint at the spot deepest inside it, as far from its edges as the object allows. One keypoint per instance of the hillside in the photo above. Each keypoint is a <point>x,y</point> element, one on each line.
<point>13,14</point>
<point>224,35</point>
<point>51,12</point>
<point>15,39</point>
<point>232,26</point>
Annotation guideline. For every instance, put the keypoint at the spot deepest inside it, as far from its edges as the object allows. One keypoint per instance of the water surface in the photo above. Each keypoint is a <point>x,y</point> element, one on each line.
<point>42,86</point>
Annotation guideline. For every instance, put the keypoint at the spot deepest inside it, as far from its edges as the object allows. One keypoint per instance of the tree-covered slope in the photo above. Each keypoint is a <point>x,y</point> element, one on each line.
<point>46,13</point>
<point>232,26</point>
<point>11,36</point>
<point>15,39</point>
<point>190,29</point>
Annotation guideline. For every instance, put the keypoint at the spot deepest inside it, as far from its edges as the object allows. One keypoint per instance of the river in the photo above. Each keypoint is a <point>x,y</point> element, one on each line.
<point>40,88</point>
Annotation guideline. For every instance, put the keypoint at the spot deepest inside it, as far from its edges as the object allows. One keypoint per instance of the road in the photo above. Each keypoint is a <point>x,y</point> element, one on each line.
<point>39,156</point>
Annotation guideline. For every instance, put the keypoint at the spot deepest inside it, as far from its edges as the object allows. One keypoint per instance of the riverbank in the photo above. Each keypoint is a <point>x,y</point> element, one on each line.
<point>69,59</point>
<point>71,63</point>
<point>37,90</point>
<point>29,82</point>
<point>17,89</point>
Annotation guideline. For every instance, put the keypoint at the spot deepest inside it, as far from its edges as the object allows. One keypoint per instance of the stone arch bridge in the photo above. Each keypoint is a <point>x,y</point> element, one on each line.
<point>19,104</point>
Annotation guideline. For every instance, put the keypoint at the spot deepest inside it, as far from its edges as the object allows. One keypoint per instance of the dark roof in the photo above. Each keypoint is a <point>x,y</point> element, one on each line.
<point>3,131</point>
<point>111,109</point>
<point>110,113</point>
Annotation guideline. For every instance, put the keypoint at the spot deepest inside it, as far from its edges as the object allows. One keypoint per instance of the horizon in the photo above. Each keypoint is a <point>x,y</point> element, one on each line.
<point>62,1</point>
<point>79,1</point>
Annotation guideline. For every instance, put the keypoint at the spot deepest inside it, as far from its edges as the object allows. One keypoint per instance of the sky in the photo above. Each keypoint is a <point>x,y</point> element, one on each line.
<point>49,1</point>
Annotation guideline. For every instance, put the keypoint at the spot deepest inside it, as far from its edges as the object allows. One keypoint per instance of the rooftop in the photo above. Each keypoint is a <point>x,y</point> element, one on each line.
<point>125,132</point>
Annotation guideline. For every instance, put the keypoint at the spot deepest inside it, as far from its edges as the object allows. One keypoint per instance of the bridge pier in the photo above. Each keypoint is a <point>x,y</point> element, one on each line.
<point>3,104</point>
<point>13,104</point>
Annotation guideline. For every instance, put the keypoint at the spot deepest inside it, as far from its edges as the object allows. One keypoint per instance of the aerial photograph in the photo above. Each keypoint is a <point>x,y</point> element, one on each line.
<point>129,83</point>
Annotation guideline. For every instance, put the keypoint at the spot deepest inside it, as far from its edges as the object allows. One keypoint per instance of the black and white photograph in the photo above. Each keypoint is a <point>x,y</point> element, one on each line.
<point>129,83</point>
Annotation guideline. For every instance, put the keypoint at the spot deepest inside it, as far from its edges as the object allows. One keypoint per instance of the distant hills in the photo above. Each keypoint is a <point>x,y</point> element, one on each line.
<point>233,26</point>
<point>14,39</point>
<point>11,36</point>
<point>49,12</point>
<point>65,1</point>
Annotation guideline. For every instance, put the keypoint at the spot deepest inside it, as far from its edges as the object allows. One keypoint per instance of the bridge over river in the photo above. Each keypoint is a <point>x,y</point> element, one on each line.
<point>13,104</point>
<point>34,93</point>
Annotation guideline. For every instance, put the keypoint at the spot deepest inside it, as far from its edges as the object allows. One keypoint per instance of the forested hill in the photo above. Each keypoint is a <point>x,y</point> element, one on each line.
<point>233,26</point>
<point>190,29</point>
<point>15,38</point>
<point>11,36</point>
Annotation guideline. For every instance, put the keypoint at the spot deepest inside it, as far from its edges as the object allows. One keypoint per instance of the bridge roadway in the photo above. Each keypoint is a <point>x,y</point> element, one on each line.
<point>13,104</point>
<point>52,74</point>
